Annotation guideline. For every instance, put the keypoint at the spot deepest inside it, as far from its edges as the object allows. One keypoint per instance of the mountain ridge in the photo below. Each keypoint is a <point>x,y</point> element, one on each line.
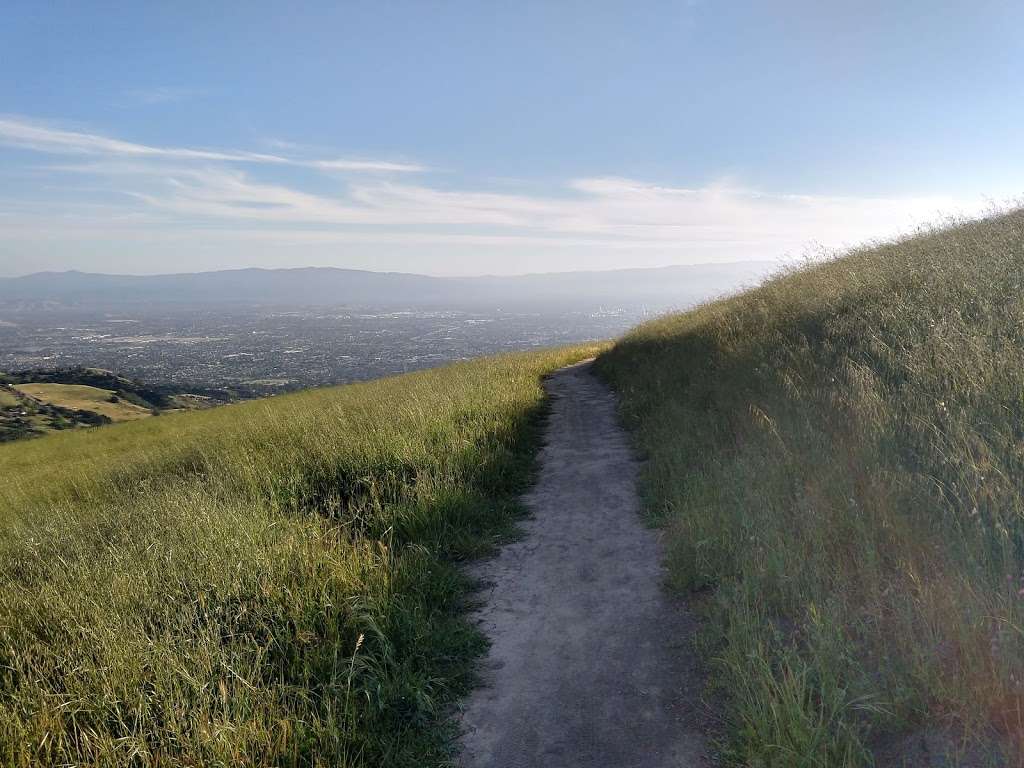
<point>313,286</point>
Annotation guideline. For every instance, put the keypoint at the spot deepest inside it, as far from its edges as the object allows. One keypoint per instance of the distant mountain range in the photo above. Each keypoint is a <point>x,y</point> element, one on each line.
<point>660,288</point>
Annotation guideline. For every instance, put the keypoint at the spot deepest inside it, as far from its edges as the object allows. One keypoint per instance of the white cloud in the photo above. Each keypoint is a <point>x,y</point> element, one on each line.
<point>27,135</point>
<point>621,211</point>
<point>184,195</point>
<point>365,165</point>
<point>24,134</point>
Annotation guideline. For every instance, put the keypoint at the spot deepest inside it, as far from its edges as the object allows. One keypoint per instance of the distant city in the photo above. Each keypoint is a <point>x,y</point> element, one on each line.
<point>259,332</point>
<point>257,351</point>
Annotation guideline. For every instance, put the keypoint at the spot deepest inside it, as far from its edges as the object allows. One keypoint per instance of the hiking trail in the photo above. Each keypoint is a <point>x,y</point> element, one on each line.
<point>591,662</point>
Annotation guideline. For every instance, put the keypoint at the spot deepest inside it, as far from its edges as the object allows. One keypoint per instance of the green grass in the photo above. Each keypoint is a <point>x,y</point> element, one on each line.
<point>268,583</point>
<point>8,399</point>
<point>838,457</point>
<point>80,397</point>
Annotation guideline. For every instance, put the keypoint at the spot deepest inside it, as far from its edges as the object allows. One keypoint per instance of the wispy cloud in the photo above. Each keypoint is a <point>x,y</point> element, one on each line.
<point>41,138</point>
<point>363,165</point>
<point>25,134</point>
<point>172,194</point>
<point>614,211</point>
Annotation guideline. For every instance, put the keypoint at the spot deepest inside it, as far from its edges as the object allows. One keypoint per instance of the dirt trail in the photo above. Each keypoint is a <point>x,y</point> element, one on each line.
<point>591,663</point>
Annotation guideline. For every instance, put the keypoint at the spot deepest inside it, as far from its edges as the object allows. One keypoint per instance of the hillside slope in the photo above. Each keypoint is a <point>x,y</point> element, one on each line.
<point>35,402</point>
<point>267,583</point>
<point>839,459</point>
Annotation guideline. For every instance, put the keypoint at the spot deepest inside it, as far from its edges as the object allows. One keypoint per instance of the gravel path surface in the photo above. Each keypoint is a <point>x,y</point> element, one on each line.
<point>591,663</point>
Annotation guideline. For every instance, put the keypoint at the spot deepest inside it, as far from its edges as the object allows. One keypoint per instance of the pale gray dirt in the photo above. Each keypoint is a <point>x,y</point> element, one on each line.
<point>591,663</point>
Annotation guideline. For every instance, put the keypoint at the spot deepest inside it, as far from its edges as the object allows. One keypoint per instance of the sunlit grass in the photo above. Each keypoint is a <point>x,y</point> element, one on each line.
<point>839,458</point>
<point>269,583</point>
<point>85,398</point>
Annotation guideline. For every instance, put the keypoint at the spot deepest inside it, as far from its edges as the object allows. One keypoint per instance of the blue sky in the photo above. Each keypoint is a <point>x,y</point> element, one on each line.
<point>494,137</point>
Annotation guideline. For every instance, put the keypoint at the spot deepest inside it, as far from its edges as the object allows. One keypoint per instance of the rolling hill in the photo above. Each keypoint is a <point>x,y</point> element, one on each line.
<point>658,288</point>
<point>104,402</point>
<point>268,583</point>
<point>838,457</point>
<point>35,402</point>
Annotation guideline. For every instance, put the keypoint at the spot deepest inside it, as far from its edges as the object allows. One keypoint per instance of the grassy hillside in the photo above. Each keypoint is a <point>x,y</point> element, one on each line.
<point>79,397</point>
<point>22,415</point>
<point>269,583</point>
<point>35,402</point>
<point>838,457</point>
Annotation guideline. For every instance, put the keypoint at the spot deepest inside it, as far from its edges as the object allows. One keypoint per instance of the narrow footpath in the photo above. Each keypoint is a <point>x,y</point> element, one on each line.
<point>592,663</point>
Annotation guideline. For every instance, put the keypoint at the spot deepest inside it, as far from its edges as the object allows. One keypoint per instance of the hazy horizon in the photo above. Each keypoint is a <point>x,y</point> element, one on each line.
<point>737,263</point>
<point>471,139</point>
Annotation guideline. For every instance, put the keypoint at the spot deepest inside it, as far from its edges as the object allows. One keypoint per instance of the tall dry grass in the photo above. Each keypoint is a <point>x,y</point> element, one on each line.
<point>271,583</point>
<point>839,459</point>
